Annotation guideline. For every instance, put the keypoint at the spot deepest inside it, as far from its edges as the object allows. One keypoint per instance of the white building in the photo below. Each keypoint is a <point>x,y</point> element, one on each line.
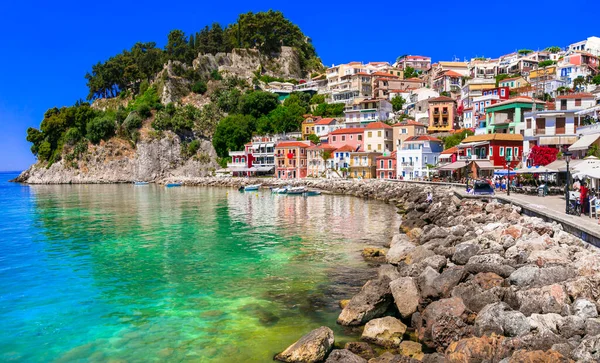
<point>325,125</point>
<point>415,154</point>
<point>590,45</point>
<point>362,113</point>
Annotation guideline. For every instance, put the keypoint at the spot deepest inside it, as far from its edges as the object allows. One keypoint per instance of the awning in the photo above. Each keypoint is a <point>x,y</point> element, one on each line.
<point>588,111</point>
<point>484,164</point>
<point>255,146</point>
<point>593,173</point>
<point>473,144</point>
<point>270,144</point>
<point>584,143</point>
<point>535,170</point>
<point>557,140</point>
<point>561,165</point>
<point>453,166</point>
<point>264,168</point>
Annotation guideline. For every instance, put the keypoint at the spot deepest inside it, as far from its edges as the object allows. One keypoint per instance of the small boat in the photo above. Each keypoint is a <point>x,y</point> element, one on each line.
<point>140,183</point>
<point>252,187</point>
<point>283,190</point>
<point>171,185</point>
<point>296,190</point>
<point>311,193</point>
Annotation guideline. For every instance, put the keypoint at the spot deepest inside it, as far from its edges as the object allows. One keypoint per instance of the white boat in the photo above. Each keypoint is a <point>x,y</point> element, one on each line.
<point>252,187</point>
<point>296,190</point>
<point>140,183</point>
<point>282,190</point>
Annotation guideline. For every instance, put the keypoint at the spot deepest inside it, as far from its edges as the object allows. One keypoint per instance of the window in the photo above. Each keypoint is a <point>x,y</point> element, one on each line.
<point>381,164</point>
<point>389,164</point>
<point>501,150</point>
<point>435,160</point>
<point>378,133</point>
<point>333,139</point>
<point>491,149</point>
<point>370,134</point>
<point>381,175</point>
<point>343,137</point>
<point>359,137</point>
<point>578,102</point>
<point>425,159</point>
<point>369,147</point>
<point>378,146</point>
<point>404,131</point>
<point>516,152</point>
<point>502,92</point>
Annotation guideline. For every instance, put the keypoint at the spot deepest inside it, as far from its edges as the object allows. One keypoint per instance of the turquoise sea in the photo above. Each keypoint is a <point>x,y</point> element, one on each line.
<point>124,273</point>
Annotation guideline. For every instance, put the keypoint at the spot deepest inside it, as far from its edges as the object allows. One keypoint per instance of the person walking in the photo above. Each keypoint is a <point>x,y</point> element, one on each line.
<point>584,198</point>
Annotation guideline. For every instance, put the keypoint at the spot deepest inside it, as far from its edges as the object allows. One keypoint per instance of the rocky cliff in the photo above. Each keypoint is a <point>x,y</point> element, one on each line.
<point>116,161</point>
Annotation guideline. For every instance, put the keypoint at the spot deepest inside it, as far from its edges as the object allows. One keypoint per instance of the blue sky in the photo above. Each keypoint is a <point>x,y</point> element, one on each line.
<point>47,47</point>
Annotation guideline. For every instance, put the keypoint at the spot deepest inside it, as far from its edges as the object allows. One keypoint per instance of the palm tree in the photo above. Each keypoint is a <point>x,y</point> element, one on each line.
<point>325,155</point>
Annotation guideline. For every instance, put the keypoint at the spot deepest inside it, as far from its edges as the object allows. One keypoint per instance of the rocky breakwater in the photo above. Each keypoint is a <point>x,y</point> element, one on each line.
<point>476,281</point>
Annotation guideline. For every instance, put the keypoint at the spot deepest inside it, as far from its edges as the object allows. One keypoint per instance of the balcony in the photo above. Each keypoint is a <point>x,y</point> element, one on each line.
<point>540,132</point>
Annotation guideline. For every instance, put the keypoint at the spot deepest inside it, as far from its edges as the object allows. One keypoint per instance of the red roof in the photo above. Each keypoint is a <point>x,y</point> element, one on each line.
<point>352,130</point>
<point>293,144</point>
<point>414,79</point>
<point>441,99</point>
<point>575,95</point>
<point>325,121</point>
<point>391,156</point>
<point>248,144</point>
<point>422,138</point>
<point>452,150</point>
<point>409,123</point>
<point>451,73</point>
<point>378,125</point>
<point>363,74</point>
<point>345,148</point>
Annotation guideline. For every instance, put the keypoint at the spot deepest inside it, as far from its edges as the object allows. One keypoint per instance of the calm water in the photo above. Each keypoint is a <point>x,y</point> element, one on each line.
<point>144,273</point>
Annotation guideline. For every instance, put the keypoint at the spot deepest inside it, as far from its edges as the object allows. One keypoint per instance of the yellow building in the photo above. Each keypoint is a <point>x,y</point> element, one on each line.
<point>515,82</point>
<point>363,164</point>
<point>405,129</point>
<point>308,125</point>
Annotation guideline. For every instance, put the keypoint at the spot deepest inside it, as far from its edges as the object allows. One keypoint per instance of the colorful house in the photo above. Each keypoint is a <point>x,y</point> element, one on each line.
<point>364,112</point>
<point>416,154</point>
<point>514,82</point>
<point>308,125</point>
<point>386,166</point>
<point>341,157</point>
<point>324,126</point>
<point>405,129</point>
<point>363,164</point>
<point>507,117</point>
<point>291,159</point>
<point>442,114</point>
<point>485,153</point>
<point>320,160</point>
<point>379,137</point>
<point>353,137</point>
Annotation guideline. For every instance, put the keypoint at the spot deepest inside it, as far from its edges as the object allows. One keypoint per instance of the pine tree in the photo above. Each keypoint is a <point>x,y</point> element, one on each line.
<point>191,42</point>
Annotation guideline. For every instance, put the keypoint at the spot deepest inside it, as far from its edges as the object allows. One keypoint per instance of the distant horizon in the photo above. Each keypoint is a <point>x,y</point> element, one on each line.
<point>71,43</point>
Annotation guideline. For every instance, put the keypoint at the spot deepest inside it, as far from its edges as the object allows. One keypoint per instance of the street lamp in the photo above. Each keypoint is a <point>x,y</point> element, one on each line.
<point>507,160</point>
<point>567,154</point>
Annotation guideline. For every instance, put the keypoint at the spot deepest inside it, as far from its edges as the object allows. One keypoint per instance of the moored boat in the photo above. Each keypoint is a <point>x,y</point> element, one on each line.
<point>140,183</point>
<point>282,190</point>
<point>252,187</point>
<point>296,190</point>
<point>171,185</point>
<point>311,193</point>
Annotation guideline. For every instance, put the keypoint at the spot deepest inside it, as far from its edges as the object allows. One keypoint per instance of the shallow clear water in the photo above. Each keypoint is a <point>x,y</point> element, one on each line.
<point>145,273</point>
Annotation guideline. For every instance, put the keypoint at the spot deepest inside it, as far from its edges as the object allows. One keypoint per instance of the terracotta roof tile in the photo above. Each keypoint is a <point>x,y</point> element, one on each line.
<point>378,125</point>
<point>325,121</point>
<point>575,95</point>
<point>293,144</point>
<point>353,130</point>
<point>441,99</point>
<point>345,148</point>
<point>422,138</point>
<point>495,137</point>
<point>452,150</point>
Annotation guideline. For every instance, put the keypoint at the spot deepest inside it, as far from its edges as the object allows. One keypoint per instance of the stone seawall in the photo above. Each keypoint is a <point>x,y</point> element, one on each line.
<point>463,281</point>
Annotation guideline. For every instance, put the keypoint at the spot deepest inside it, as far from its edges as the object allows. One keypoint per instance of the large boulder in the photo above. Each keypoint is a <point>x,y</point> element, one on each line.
<point>453,306</point>
<point>344,356</point>
<point>448,279</point>
<point>362,349</point>
<point>371,302</point>
<point>463,252</point>
<point>388,357</point>
<point>489,263</point>
<point>445,330</point>
<point>533,276</point>
<point>312,347</point>
<point>400,247</point>
<point>387,332</point>
<point>547,299</point>
<point>588,350</point>
<point>406,295</point>
<point>585,309</point>
<point>538,356</point>
<point>479,349</point>
<point>411,349</point>
<point>498,318</point>
<point>426,283</point>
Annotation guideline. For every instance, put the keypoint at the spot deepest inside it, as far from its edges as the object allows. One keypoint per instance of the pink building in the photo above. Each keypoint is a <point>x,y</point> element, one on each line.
<point>349,136</point>
<point>386,166</point>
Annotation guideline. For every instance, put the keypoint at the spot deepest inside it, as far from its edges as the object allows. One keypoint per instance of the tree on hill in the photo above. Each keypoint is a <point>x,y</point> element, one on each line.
<point>579,82</point>
<point>398,102</point>
<point>410,72</point>
<point>553,49</point>
<point>546,63</point>
<point>455,139</point>
<point>596,79</point>
<point>177,46</point>
<point>232,133</point>
<point>524,51</point>
<point>258,103</point>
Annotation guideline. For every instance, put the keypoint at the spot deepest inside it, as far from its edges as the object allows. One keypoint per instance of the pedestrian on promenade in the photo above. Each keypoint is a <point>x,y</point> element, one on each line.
<point>584,198</point>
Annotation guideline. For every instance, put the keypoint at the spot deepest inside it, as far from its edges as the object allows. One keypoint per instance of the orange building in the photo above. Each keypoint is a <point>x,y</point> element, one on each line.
<point>442,114</point>
<point>291,159</point>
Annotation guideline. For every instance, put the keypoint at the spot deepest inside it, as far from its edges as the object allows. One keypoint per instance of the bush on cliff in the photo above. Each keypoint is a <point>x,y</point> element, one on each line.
<point>232,133</point>
<point>199,87</point>
<point>100,128</point>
